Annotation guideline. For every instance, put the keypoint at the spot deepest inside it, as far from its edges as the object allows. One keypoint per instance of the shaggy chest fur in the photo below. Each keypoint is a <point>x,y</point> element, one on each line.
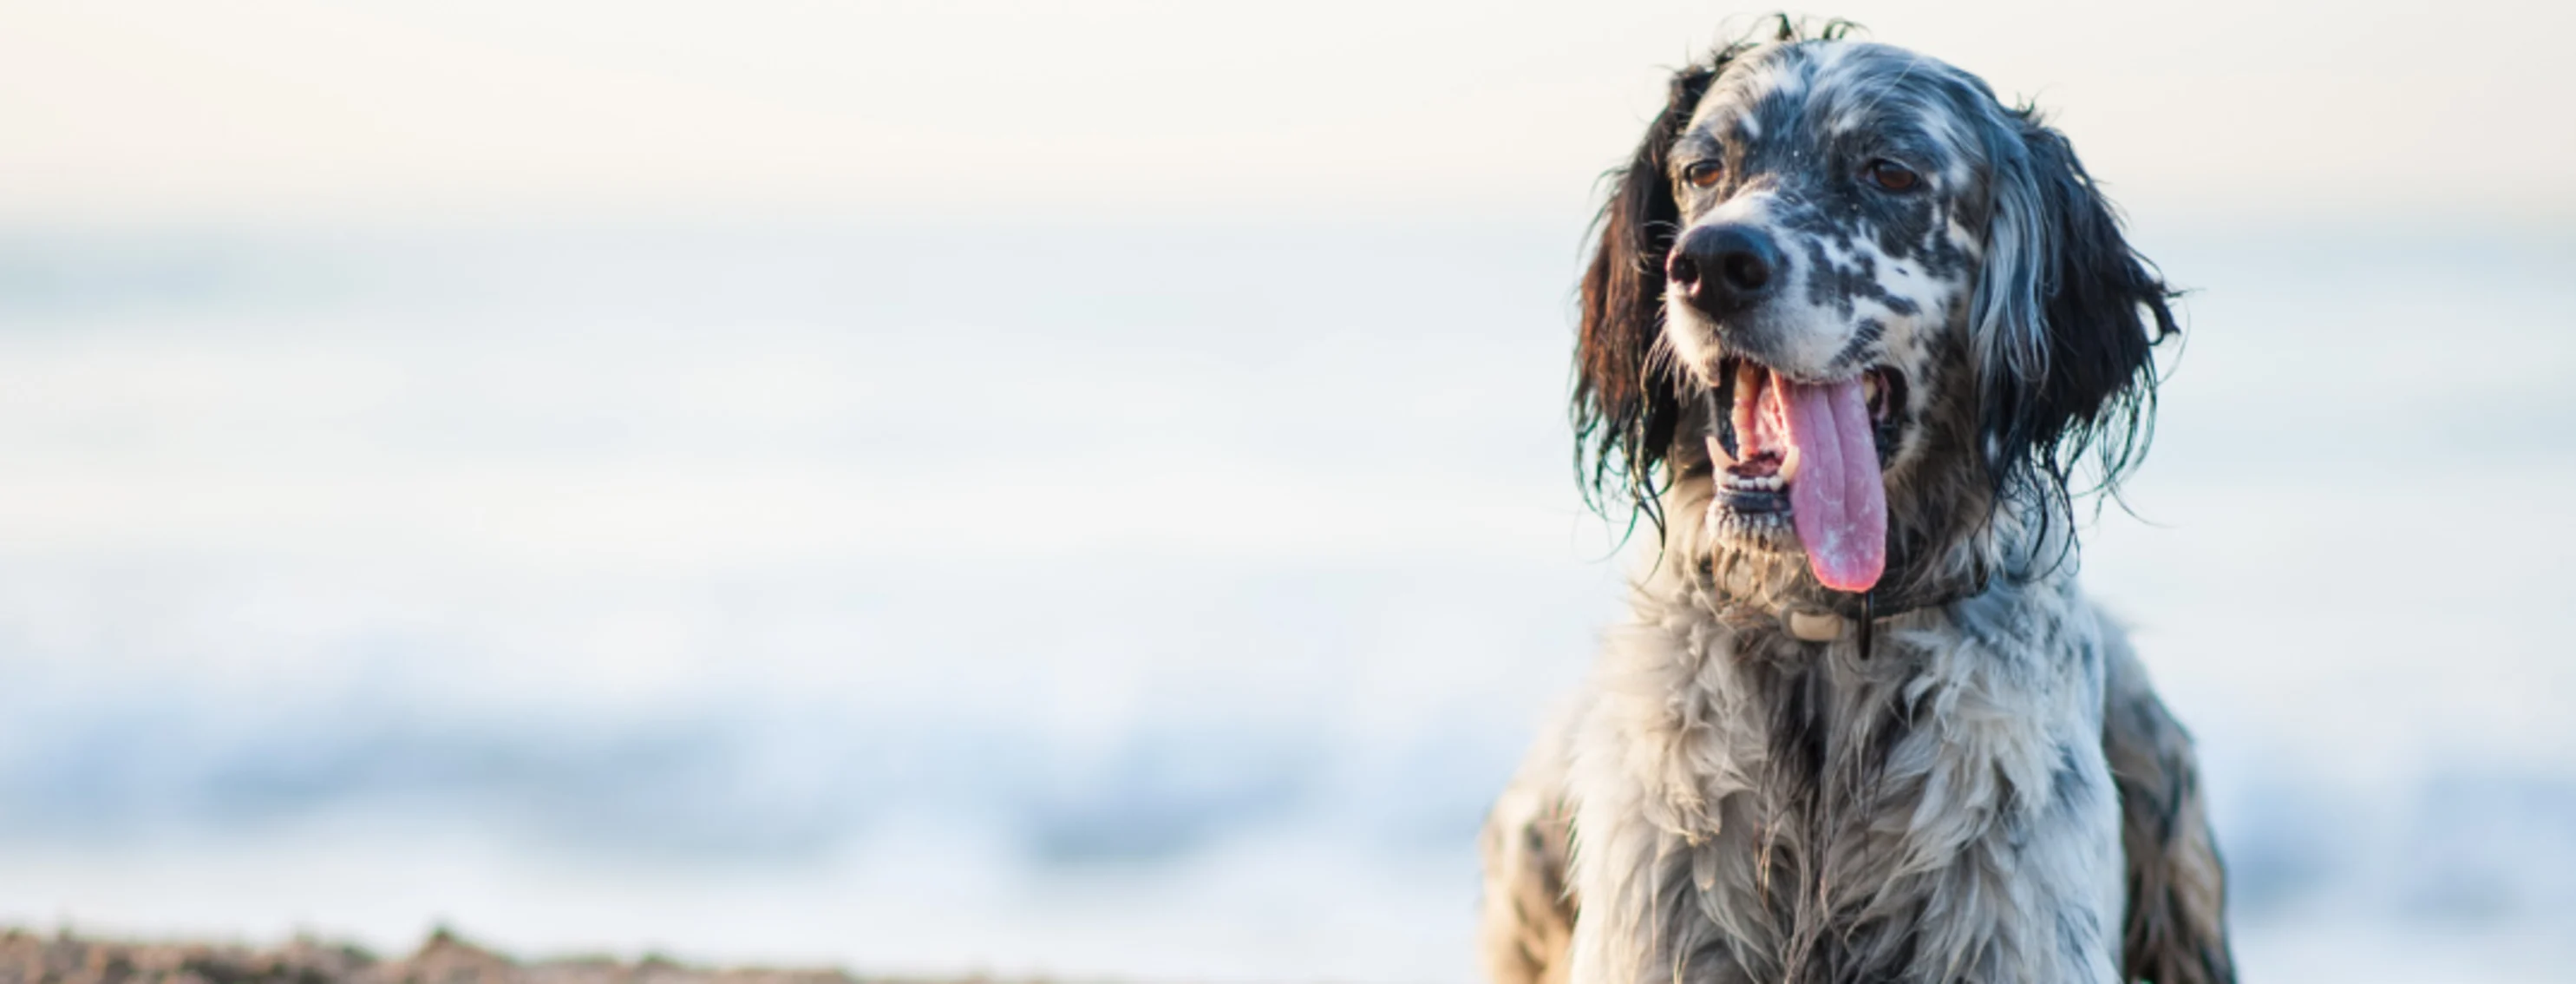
<point>1751,807</point>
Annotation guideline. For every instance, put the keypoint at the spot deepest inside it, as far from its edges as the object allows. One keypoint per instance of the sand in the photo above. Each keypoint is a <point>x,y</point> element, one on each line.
<point>31,958</point>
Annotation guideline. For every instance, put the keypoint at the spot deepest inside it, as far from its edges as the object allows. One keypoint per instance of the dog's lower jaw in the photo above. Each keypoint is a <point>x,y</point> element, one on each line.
<point>1730,528</point>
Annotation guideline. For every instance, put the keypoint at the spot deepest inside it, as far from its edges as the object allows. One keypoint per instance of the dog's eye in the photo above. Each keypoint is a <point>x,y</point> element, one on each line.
<point>1892,175</point>
<point>1702,174</point>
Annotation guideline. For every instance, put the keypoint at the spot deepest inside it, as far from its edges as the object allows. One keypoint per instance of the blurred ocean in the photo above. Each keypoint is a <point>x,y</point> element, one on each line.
<point>1140,602</point>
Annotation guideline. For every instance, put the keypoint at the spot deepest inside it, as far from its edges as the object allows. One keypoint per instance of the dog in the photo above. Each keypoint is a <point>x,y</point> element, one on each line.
<point>1850,329</point>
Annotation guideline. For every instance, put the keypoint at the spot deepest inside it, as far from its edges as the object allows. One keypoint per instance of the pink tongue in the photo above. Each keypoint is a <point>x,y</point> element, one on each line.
<point>1837,500</point>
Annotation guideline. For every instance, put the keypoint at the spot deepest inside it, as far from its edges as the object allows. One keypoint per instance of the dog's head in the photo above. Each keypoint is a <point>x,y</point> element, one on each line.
<point>1846,307</point>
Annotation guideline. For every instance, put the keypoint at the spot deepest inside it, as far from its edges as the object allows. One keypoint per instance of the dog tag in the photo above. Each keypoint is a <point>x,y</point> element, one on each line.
<point>1815,626</point>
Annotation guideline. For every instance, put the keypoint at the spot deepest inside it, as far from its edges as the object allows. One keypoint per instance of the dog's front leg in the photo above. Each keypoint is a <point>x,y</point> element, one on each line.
<point>1678,945</point>
<point>1644,917</point>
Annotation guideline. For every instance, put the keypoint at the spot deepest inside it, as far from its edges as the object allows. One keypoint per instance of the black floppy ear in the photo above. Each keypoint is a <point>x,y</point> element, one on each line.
<point>1627,403</point>
<point>2066,316</point>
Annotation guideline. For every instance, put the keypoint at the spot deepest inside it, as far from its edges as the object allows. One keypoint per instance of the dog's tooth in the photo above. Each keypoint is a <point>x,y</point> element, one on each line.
<point>1717,454</point>
<point>1789,465</point>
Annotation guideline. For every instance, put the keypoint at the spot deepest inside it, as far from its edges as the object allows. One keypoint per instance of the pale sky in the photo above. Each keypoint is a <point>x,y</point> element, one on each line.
<point>305,110</point>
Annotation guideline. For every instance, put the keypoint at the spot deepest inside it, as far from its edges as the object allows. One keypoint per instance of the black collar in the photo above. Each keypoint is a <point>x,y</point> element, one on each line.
<point>1864,609</point>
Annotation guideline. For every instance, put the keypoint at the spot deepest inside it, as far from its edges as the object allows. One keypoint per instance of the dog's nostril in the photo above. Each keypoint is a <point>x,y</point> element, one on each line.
<point>1682,270</point>
<point>1745,271</point>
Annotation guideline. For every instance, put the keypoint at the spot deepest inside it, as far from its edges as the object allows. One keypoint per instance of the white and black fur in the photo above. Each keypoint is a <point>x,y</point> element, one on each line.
<point>1973,782</point>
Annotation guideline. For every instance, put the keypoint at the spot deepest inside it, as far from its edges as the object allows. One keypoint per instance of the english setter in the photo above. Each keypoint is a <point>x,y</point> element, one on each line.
<point>1851,325</point>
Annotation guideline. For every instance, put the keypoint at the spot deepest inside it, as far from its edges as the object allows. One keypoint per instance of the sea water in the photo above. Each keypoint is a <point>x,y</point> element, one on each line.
<point>1150,601</point>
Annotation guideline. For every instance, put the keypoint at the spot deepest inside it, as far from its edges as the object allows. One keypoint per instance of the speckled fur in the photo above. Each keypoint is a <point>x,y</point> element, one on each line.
<point>1992,793</point>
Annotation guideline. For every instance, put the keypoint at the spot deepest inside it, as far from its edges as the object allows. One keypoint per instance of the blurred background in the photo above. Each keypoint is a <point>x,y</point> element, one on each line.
<point>1084,488</point>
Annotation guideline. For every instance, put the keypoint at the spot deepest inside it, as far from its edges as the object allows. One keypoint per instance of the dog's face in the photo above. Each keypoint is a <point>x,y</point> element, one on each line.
<point>1832,217</point>
<point>1832,213</point>
<point>1859,300</point>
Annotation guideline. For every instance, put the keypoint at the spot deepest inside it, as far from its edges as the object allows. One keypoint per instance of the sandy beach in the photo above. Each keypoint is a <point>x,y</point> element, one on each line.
<point>31,958</point>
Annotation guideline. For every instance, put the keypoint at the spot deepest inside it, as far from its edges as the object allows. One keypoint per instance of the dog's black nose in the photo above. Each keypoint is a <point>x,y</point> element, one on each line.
<point>1726,268</point>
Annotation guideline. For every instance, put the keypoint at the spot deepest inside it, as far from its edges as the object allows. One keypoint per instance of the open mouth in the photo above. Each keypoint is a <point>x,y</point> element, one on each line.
<point>1810,454</point>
